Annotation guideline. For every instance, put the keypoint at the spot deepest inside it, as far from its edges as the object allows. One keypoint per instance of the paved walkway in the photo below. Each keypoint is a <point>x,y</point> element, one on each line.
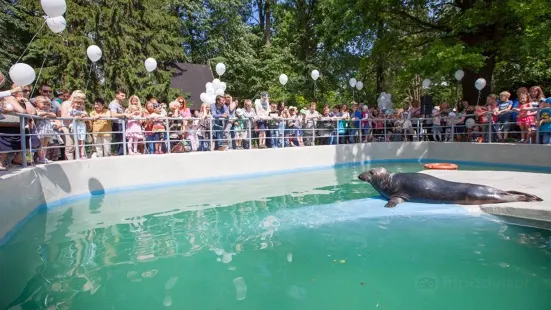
<point>538,184</point>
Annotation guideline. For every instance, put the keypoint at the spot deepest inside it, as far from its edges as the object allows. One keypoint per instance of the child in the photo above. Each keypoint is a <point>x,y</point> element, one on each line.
<point>476,135</point>
<point>436,124</point>
<point>134,129</point>
<point>273,124</point>
<point>365,123</point>
<point>525,118</point>
<point>44,127</point>
<point>79,126</point>
<point>239,128</point>
<point>545,122</point>
<point>504,106</point>
<point>158,129</point>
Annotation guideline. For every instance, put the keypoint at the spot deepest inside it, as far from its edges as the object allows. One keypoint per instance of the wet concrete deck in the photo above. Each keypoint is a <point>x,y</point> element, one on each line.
<point>527,213</point>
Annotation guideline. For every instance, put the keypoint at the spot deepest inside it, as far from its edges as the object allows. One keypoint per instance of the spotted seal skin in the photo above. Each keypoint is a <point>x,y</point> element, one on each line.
<point>420,187</point>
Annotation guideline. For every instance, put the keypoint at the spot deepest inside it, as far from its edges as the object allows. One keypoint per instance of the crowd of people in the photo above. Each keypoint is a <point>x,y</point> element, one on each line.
<point>57,125</point>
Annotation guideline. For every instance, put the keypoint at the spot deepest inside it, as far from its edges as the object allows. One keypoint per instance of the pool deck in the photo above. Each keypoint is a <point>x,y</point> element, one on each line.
<point>538,213</point>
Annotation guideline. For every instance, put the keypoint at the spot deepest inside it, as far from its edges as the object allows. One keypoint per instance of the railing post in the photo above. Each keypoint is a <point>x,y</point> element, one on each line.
<point>123,122</point>
<point>211,146</point>
<point>168,146</point>
<point>452,128</point>
<point>360,132</point>
<point>490,123</point>
<point>75,139</point>
<point>313,132</point>
<point>23,141</point>
<point>337,132</point>
<point>538,127</point>
<point>384,128</point>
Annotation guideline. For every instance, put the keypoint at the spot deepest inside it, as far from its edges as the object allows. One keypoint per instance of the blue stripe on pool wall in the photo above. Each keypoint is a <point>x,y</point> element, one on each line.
<point>64,201</point>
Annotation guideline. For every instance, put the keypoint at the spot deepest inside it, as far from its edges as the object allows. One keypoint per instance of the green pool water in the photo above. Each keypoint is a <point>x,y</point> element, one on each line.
<point>311,240</point>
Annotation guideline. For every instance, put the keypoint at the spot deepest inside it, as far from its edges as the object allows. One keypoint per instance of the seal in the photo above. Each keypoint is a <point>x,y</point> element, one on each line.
<point>420,187</point>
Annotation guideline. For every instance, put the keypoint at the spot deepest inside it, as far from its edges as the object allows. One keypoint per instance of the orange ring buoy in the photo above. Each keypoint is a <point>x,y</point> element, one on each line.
<point>441,166</point>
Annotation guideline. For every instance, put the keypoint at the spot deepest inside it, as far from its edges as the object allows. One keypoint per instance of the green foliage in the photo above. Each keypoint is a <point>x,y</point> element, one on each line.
<point>387,44</point>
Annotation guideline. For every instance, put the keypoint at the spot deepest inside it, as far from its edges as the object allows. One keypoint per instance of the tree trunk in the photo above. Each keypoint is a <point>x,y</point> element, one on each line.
<point>380,66</point>
<point>470,93</point>
<point>261,15</point>
<point>268,28</point>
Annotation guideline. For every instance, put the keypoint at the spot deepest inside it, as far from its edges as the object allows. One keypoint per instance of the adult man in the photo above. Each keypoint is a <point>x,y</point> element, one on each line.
<point>220,112</point>
<point>117,112</point>
<point>311,117</point>
<point>61,95</point>
<point>262,107</point>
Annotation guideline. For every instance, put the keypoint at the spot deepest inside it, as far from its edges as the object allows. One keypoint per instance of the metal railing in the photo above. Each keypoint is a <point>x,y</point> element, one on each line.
<point>167,135</point>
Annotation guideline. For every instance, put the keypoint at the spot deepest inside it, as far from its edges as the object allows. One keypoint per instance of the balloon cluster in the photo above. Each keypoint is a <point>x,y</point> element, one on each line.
<point>22,74</point>
<point>354,83</point>
<point>55,10</point>
<point>384,101</point>
<point>214,88</point>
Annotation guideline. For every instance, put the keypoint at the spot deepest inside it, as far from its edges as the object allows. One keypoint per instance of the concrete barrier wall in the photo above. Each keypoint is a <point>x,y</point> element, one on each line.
<point>53,184</point>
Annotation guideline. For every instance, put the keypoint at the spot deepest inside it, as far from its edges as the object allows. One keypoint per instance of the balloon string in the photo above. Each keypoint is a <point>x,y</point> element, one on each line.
<point>88,78</point>
<point>38,78</point>
<point>26,48</point>
<point>478,99</point>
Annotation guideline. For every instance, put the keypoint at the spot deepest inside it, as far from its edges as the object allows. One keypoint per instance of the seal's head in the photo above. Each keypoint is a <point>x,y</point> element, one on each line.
<point>373,175</point>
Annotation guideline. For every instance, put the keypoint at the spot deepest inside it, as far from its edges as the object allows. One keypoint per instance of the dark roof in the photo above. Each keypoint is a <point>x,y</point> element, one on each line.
<point>191,79</point>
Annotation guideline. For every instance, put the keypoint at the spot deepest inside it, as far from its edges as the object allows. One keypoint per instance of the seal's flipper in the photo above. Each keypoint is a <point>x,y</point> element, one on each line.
<point>394,201</point>
<point>525,196</point>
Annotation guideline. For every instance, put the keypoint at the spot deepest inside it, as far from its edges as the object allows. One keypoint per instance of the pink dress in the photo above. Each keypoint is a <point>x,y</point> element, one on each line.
<point>134,129</point>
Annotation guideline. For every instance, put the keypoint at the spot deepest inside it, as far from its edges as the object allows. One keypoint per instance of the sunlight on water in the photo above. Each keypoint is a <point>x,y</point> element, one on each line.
<point>314,240</point>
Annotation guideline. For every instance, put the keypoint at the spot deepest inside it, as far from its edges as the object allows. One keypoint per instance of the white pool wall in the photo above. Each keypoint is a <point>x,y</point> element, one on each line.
<point>58,183</point>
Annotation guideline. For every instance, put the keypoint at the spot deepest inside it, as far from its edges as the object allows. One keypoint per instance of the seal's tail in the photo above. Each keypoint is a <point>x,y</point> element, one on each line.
<point>525,196</point>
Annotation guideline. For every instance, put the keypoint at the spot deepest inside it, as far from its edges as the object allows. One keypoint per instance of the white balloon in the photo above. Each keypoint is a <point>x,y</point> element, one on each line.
<point>209,85</point>
<point>216,84</point>
<point>219,92</point>
<point>94,53</point>
<point>220,68</point>
<point>223,86</point>
<point>459,74</point>
<point>359,85</point>
<point>210,91</point>
<point>212,99</point>
<point>150,64</point>
<point>203,97</point>
<point>54,7</point>
<point>352,82</point>
<point>315,74</point>
<point>56,24</point>
<point>469,123</point>
<point>426,83</point>
<point>480,83</point>
<point>22,74</point>
<point>283,79</point>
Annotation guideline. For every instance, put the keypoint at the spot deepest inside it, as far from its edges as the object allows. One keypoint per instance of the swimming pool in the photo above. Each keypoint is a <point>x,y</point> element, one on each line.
<point>311,240</point>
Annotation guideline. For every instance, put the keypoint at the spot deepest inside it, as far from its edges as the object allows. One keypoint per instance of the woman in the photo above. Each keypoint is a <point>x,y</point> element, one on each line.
<point>536,96</point>
<point>67,136</point>
<point>10,134</point>
<point>203,127</point>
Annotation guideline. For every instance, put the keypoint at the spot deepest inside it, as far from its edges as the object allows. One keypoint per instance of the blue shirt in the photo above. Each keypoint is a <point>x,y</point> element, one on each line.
<point>218,111</point>
<point>514,113</point>
<point>503,105</point>
<point>357,114</point>
<point>545,114</point>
